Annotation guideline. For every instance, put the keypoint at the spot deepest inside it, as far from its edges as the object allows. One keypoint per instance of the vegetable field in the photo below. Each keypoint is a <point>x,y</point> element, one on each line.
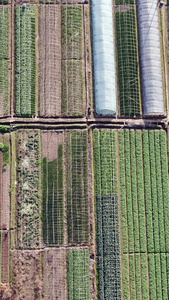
<point>77,187</point>
<point>25,66</point>
<point>53,188</point>
<point>108,248</point>
<point>127,55</point>
<point>137,213</point>
<point>73,92</point>
<point>65,188</point>
<point>4,61</point>
<point>79,275</point>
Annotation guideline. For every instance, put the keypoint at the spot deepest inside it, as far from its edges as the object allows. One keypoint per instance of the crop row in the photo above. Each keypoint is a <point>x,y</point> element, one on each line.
<point>135,276</point>
<point>145,276</point>
<point>79,274</point>
<point>28,189</point>
<point>65,191</point>
<point>77,187</point>
<point>127,55</point>
<point>144,190</point>
<point>4,60</point>
<point>108,249</point>
<point>105,162</point>
<point>53,204</point>
<point>25,66</point>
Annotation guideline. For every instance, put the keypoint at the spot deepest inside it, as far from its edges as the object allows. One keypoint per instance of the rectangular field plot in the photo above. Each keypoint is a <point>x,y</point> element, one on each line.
<point>79,275</point>
<point>77,187</point>
<point>72,32</point>
<point>144,191</point>
<point>73,91</point>
<point>28,188</point>
<point>54,274</point>
<point>108,248</point>
<point>25,65</point>
<point>49,61</point>
<point>73,77</point>
<point>4,256</point>
<point>4,61</point>
<point>4,181</point>
<point>127,55</point>
<point>144,197</point>
<point>26,274</point>
<point>53,189</point>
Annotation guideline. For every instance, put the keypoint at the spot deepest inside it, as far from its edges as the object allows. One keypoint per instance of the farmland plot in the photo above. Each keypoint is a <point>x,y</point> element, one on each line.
<point>127,55</point>
<point>72,61</point>
<point>49,60</point>
<point>53,189</point>
<point>77,187</point>
<point>26,274</point>
<point>54,274</point>
<point>25,66</point>
<point>28,189</point>
<point>144,213</point>
<point>4,61</point>
<point>4,256</point>
<point>108,248</point>
<point>4,181</point>
<point>79,275</point>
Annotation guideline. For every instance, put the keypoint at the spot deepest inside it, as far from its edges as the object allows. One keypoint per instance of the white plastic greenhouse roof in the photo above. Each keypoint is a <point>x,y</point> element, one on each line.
<point>104,57</point>
<point>150,56</point>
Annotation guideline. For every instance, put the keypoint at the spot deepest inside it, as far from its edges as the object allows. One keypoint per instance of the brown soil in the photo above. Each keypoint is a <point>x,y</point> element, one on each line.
<point>5,256</point>
<point>1,197</point>
<point>88,60</point>
<point>6,197</point>
<point>27,277</point>
<point>54,274</point>
<point>50,142</point>
<point>49,61</point>
<point>5,292</point>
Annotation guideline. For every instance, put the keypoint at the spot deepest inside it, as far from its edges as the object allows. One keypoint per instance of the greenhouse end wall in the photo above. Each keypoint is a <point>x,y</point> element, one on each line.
<point>104,57</point>
<point>150,57</point>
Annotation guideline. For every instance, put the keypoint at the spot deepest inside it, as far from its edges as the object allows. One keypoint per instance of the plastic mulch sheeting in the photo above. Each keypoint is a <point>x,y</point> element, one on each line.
<point>104,57</point>
<point>150,56</point>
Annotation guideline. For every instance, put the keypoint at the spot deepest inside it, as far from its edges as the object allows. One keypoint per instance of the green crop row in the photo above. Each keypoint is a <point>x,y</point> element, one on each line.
<point>106,189</point>
<point>159,275</point>
<point>105,162</point>
<point>135,276</point>
<point>53,205</point>
<point>127,56</point>
<point>4,59</point>
<point>25,67</point>
<point>72,32</point>
<point>77,187</point>
<point>4,33</point>
<point>108,250</point>
<point>79,275</point>
<point>73,97</point>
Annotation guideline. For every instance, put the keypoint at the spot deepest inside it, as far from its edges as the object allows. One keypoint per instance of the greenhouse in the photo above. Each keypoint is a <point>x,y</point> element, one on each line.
<point>150,57</point>
<point>104,57</point>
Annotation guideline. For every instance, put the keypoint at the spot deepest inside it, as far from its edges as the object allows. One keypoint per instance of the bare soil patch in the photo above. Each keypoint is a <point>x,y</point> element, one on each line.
<point>49,61</point>
<point>50,142</point>
<point>54,274</point>
<point>26,277</point>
